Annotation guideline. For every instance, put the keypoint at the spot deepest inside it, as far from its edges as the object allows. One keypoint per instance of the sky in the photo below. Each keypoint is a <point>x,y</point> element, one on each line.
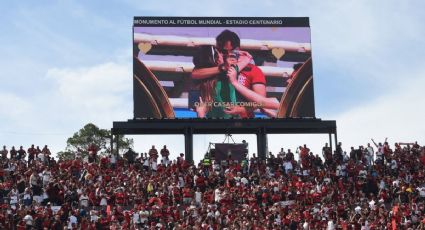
<point>64,64</point>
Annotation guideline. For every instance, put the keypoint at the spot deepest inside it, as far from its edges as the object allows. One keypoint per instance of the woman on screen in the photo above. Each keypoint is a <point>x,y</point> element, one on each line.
<point>215,90</point>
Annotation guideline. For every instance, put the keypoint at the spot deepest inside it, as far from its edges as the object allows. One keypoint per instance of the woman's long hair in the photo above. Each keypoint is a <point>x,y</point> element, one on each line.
<point>206,57</point>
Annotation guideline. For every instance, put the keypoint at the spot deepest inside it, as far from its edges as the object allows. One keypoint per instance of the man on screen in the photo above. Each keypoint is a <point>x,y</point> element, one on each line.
<point>250,76</point>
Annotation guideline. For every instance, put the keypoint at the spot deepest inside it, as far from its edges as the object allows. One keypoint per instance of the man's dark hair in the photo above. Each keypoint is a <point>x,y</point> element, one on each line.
<point>225,36</point>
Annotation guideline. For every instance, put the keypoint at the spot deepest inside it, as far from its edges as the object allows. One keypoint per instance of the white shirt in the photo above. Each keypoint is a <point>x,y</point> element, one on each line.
<point>396,183</point>
<point>370,151</point>
<point>45,196</point>
<point>113,159</point>
<point>372,205</point>
<point>217,195</point>
<point>72,220</point>
<point>181,182</point>
<point>146,162</point>
<point>41,157</point>
<point>345,157</point>
<point>27,196</point>
<point>393,164</point>
<point>382,184</point>
<point>331,225</point>
<point>38,199</point>
<point>33,180</point>
<point>154,165</point>
<point>287,165</point>
<point>144,216</point>
<point>194,179</point>
<point>46,176</point>
<point>327,180</point>
<point>84,200</point>
<point>421,191</point>
<point>198,197</point>
<point>28,220</point>
<point>136,218</point>
<point>93,216</point>
<point>362,173</point>
<point>103,202</point>
<point>358,209</point>
<point>13,199</point>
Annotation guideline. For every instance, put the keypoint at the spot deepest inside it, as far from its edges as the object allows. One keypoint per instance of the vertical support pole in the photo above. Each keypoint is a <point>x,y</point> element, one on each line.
<point>112,141</point>
<point>330,142</point>
<point>261,143</point>
<point>336,139</point>
<point>266,144</point>
<point>117,137</point>
<point>188,144</point>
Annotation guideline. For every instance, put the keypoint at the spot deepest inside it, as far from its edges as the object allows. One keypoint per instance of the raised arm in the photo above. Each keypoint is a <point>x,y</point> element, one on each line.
<point>203,73</point>
<point>374,143</point>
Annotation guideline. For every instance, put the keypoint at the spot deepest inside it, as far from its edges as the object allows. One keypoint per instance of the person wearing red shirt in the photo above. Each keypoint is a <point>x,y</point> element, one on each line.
<point>104,162</point>
<point>46,150</point>
<point>177,198</point>
<point>2,174</point>
<point>120,197</point>
<point>156,213</point>
<point>92,149</point>
<point>21,225</point>
<point>304,155</point>
<point>187,195</point>
<point>84,224</point>
<point>276,197</point>
<point>209,196</point>
<point>153,153</point>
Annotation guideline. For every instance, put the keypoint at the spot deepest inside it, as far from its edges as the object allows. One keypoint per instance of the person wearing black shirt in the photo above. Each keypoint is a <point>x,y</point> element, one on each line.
<point>21,184</point>
<point>21,153</point>
<point>13,153</point>
<point>130,155</point>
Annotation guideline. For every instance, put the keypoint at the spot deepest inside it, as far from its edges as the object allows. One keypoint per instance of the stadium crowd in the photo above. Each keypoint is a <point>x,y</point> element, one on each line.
<point>372,187</point>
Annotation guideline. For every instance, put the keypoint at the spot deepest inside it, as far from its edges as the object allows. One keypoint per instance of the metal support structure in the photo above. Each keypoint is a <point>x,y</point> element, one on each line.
<point>262,143</point>
<point>112,143</point>
<point>118,145</point>
<point>188,144</point>
<point>336,139</point>
<point>330,142</point>
<point>189,127</point>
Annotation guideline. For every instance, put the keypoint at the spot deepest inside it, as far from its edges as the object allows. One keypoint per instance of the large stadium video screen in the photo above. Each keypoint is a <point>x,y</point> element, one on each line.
<point>222,68</point>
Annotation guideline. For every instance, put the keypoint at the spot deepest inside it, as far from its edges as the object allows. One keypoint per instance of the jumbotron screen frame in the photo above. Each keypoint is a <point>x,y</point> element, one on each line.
<point>272,67</point>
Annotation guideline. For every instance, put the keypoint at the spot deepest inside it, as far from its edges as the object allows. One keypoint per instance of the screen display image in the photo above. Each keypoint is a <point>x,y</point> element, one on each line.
<point>222,71</point>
